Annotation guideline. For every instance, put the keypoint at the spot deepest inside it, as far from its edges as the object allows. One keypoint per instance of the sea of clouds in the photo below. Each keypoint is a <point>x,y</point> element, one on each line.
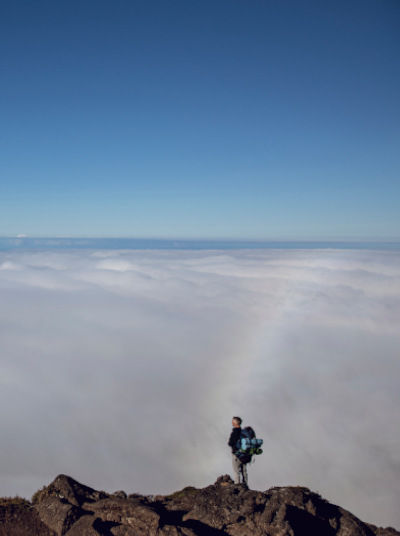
<point>123,369</point>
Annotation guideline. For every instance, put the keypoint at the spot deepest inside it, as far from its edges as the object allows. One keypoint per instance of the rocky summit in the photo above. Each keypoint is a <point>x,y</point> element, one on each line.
<point>69,508</point>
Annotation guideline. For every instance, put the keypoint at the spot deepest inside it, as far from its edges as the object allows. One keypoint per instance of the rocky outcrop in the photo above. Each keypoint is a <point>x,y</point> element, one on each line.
<point>68,508</point>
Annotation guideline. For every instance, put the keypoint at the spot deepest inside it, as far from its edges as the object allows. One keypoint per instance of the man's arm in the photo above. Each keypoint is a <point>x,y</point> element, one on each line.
<point>235,435</point>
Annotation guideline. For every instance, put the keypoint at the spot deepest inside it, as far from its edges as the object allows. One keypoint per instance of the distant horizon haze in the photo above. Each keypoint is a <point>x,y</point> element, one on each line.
<point>246,238</point>
<point>178,243</point>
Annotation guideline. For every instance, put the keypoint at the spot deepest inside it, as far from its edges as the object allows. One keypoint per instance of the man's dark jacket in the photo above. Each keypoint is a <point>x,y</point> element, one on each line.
<point>235,436</point>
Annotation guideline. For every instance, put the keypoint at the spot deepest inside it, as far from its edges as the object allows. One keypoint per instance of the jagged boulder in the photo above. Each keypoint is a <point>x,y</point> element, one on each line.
<point>59,505</point>
<point>66,488</point>
<point>58,514</point>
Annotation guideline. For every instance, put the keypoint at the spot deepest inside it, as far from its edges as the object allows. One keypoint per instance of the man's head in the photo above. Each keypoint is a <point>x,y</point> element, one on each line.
<point>236,422</point>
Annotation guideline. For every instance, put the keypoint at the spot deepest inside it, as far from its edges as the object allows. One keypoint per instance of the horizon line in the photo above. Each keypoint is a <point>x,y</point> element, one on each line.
<point>203,239</point>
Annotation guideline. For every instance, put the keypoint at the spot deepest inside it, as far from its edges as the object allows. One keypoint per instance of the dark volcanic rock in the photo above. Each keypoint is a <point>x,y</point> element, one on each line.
<point>68,508</point>
<point>67,489</point>
<point>85,526</point>
<point>58,514</point>
<point>131,513</point>
<point>18,518</point>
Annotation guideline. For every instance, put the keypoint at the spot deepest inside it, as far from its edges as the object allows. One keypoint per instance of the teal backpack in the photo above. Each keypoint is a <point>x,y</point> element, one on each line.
<point>248,445</point>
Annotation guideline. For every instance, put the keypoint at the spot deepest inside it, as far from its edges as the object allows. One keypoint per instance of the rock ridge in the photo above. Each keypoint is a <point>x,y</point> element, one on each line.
<point>68,508</point>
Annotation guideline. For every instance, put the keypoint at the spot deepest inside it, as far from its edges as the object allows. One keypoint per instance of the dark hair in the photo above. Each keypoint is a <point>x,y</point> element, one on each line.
<point>238,420</point>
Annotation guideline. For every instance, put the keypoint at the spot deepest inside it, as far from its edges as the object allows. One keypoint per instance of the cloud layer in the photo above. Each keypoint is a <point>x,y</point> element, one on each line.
<point>124,368</point>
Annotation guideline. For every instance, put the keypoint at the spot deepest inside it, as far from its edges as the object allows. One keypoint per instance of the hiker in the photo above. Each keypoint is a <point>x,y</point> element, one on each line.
<point>239,467</point>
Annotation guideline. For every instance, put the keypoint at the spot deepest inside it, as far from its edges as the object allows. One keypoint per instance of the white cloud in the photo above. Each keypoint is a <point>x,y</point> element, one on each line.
<point>123,369</point>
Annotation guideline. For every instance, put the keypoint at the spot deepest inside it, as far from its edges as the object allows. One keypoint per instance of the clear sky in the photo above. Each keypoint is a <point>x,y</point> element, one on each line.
<point>223,118</point>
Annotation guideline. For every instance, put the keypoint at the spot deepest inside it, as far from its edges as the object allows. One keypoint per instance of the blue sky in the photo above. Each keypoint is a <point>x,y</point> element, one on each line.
<point>222,119</point>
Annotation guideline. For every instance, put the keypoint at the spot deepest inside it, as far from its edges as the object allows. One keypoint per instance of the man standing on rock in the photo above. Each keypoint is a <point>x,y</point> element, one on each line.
<point>239,467</point>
